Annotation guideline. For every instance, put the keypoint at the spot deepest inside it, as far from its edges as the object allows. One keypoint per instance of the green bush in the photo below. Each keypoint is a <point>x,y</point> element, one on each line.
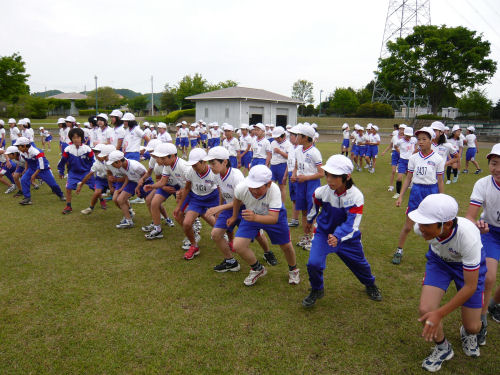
<point>376,109</point>
<point>154,118</point>
<point>174,115</point>
<point>429,116</point>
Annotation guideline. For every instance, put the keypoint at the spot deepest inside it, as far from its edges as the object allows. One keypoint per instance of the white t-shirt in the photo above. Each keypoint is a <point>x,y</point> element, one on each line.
<point>425,169</point>
<point>216,133</point>
<point>260,148</point>
<point>134,170</point>
<point>457,143</point>
<point>245,140</point>
<point>345,134</point>
<point>99,168</point>
<point>308,160</point>
<point>28,133</point>
<point>375,138</point>
<point>395,139</point>
<point>233,146</point>
<point>147,132</point>
<point>486,194</point>
<point>104,136</point>
<point>118,133</point>
<point>269,202</point>
<point>164,137</point>
<point>444,150</point>
<point>463,245</point>
<point>193,134</point>
<point>132,140</point>
<point>406,148</point>
<point>201,184</point>
<point>291,158</point>
<point>14,133</point>
<point>177,174</point>
<point>471,140</point>
<point>284,146</point>
<point>228,183</point>
<point>2,133</point>
<point>157,168</point>
<point>183,132</point>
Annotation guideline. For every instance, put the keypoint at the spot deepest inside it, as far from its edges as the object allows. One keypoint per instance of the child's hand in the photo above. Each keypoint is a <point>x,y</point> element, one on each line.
<point>248,215</point>
<point>61,176</point>
<point>332,240</point>
<point>301,178</point>
<point>231,220</point>
<point>212,211</point>
<point>148,188</point>
<point>398,202</point>
<point>482,226</point>
<point>78,188</point>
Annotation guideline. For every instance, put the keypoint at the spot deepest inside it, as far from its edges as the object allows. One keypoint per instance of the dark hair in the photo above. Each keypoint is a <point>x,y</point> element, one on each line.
<point>27,125</point>
<point>76,131</point>
<point>395,126</point>
<point>1,126</point>
<point>228,165</point>
<point>348,182</point>
<point>119,121</point>
<point>441,139</point>
<point>453,226</point>
<point>103,119</point>
<point>92,120</point>
<point>132,124</point>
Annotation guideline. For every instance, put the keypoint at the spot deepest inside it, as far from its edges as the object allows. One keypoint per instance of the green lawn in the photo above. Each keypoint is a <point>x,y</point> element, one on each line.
<point>78,296</point>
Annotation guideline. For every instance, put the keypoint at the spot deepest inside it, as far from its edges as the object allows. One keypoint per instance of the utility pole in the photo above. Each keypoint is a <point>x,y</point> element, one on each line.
<point>152,98</point>
<point>320,92</point>
<point>96,109</point>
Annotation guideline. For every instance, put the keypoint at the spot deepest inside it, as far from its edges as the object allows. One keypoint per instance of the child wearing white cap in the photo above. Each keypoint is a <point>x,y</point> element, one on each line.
<point>470,154</point>
<point>263,210</point>
<point>246,154</point>
<point>232,145</point>
<point>99,173</point>
<point>425,170</point>
<point>13,154</point>
<point>118,128</point>
<point>193,136</point>
<point>27,131</point>
<point>443,148</point>
<point>307,174</point>
<point>292,186</point>
<point>344,149</point>
<point>405,147</point>
<point>183,138</point>
<point>261,148</point>
<point>2,134</point>
<point>396,136</point>
<point>46,138</point>
<point>7,169</point>
<point>454,254</point>
<point>133,137</point>
<point>337,209</point>
<point>104,133</point>
<point>373,140</point>
<point>458,145</point>
<point>280,148</point>
<point>199,194</point>
<point>486,194</point>
<point>14,131</point>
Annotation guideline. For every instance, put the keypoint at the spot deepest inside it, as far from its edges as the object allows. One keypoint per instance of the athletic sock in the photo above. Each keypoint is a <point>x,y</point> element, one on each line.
<point>455,172</point>
<point>398,186</point>
<point>158,228</point>
<point>91,207</point>
<point>68,204</point>
<point>291,268</point>
<point>399,250</point>
<point>484,320</point>
<point>443,345</point>
<point>256,267</point>
<point>448,172</point>
<point>231,260</point>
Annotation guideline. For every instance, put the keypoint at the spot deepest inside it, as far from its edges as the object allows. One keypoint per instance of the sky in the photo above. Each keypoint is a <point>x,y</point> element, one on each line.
<point>260,44</point>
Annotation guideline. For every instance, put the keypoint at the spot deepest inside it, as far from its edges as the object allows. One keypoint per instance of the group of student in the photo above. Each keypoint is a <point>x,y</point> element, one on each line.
<point>210,185</point>
<point>364,147</point>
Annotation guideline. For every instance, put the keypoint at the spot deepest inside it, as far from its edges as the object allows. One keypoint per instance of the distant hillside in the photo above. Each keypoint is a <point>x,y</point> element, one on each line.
<point>48,93</point>
<point>126,93</point>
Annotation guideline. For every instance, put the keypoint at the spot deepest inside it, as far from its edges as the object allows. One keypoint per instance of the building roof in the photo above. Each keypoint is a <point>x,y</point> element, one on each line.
<point>69,95</point>
<point>245,93</point>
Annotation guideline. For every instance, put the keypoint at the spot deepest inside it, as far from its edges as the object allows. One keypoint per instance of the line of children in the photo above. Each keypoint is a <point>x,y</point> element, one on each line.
<point>405,147</point>
<point>397,135</point>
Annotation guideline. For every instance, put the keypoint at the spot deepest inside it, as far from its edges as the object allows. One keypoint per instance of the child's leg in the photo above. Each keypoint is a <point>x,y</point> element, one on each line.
<point>407,227</point>
<point>122,202</point>
<point>283,193</point>
<point>476,164</point>
<point>187,226</point>
<point>48,177</point>
<point>95,197</point>
<point>399,182</point>
<point>317,261</point>
<point>489,282</point>
<point>429,301</point>
<point>471,319</point>
<point>26,183</point>
<point>209,219</point>
<point>4,181</point>
<point>242,247</point>
<point>354,258</point>
<point>289,253</point>
<point>115,198</point>
<point>68,197</point>
<point>218,237</point>
<point>156,203</point>
<point>17,180</point>
<point>264,244</point>
<point>304,221</point>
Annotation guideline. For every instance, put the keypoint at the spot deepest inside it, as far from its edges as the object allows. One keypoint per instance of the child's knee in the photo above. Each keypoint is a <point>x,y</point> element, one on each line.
<point>472,327</point>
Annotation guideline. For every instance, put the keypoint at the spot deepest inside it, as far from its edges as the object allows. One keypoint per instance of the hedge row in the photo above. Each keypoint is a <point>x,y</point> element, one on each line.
<point>175,115</point>
<point>90,112</point>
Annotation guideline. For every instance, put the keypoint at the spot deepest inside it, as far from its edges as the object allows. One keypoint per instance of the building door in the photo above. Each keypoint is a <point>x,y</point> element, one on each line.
<point>255,119</point>
<point>281,120</point>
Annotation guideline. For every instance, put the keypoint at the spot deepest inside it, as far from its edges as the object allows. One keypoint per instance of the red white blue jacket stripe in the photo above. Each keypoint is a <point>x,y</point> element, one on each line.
<point>78,159</point>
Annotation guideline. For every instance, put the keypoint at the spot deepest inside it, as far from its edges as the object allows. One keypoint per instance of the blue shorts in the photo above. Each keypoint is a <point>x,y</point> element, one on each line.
<point>246,159</point>
<point>234,161</point>
<point>402,166</point>
<point>395,158</point>
<point>362,150</point>
<point>164,194</point>
<point>133,156</point>
<point>440,274</point>
<point>470,153</point>
<point>418,193</point>
<point>279,171</point>
<point>292,187</point>
<point>303,194</point>
<point>193,142</point>
<point>222,219</point>
<point>491,243</point>
<point>201,203</point>
<point>372,151</point>
<point>278,233</point>
<point>215,142</point>
<point>354,149</point>
<point>74,179</point>
<point>257,161</point>
<point>101,183</point>
<point>19,169</point>
<point>345,143</point>
<point>185,142</point>
<point>130,188</point>
<point>177,141</point>
<point>203,137</point>
<point>48,138</point>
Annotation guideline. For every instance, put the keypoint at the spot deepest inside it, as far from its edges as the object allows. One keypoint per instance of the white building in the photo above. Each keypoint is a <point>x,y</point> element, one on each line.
<point>243,105</point>
<point>71,96</point>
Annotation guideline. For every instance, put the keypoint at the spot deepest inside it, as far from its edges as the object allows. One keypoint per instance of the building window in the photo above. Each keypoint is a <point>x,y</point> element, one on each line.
<point>206,113</point>
<point>227,113</point>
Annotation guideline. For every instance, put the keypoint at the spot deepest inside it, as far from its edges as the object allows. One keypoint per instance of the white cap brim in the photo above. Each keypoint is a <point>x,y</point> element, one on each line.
<point>419,218</point>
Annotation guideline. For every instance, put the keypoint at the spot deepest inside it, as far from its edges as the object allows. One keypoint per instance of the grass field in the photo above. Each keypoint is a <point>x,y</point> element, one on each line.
<point>78,296</point>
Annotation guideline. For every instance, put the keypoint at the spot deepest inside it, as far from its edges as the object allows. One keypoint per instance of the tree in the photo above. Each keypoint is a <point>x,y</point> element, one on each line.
<point>168,99</point>
<point>344,101</point>
<point>474,102</point>
<point>188,86</point>
<point>107,98</point>
<point>222,85</point>
<point>495,112</point>
<point>303,90</point>
<point>138,103</point>
<point>13,77</point>
<point>436,60</point>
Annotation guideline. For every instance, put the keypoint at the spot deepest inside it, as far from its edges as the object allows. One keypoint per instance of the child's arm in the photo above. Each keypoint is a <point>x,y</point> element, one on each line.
<point>440,183</point>
<point>318,175</point>
<point>313,212</point>
<point>236,211</point>
<point>82,182</point>
<point>125,182</point>
<point>387,148</point>
<point>269,219</point>
<point>181,200</point>
<point>61,166</point>
<point>268,158</point>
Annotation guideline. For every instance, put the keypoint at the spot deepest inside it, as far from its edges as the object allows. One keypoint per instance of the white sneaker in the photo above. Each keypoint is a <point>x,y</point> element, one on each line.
<point>396,196</point>
<point>448,182</point>
<point>186,244</point>
<point>87,211</point>
<point>125,224</point>
<point>391,188</point>
<point>137,201</point>
<point>148,228</point>
<point>469,343</point>
<point>10,189</point>
<point>366,166</point>
<point>132,213</point>
<point>253,276</point>
<point>433,362</point>
<point>303,240</point>
<point>371,170</point>
<point>154,234</point>
<point>294,277</point>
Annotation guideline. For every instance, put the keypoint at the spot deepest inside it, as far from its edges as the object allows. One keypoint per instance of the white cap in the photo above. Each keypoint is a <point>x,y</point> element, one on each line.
<point>145,123</point>
<point>494,151</point>
<point>28,121</point>
<point>184,123</point>
<point>272,125</point>
<point>278,132</point>
<point>116,113</point>
<point>217,152</point>
<point>195,156</point>
<point>345,126</point>
<point>437,125</point>
<point>369,126</point>
<point>164,149</point>
<point>2,122</point>
<point>446,128</point>
<point>375,127</point>
<point>23,122</point>
<point>162,125</point>
<point>99,147</point>
<point>338,165</point>
<point>86,124</point>
<point>259,175</point>
<point>178,124</point>
<point>12,121</point>
<point>408,131</point>
<point>102,115</point>
<point>11,150</point>
<point>152,144</point>
<point>306,130</point>
<point>244,126</point>
<point>70,119</point>
<point>22,141</point>
<point>435,208</point>
<point>107,149</point>
<point>404,126</point>
<point>115,156</point>
<point>455,128</point>
<point>306,124</point>
<point>294,129</point>
<point>471,128</point>
<point>228,127</point>
<point>357,126</point>
<point>259,126</point>
<point>360,128</point>
<point>288,126</point>
<point>314,125</point>
<point>427,130</point>
<point>128,117</point>
<point>41,127</point>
